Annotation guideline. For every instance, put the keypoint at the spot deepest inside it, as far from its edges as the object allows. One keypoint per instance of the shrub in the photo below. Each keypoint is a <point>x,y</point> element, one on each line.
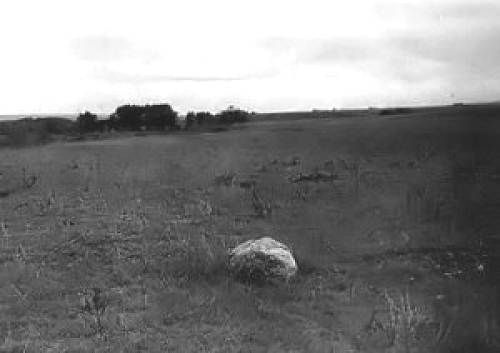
<point>29,131</point>
<point>22,135</point>
<point>395,111</point>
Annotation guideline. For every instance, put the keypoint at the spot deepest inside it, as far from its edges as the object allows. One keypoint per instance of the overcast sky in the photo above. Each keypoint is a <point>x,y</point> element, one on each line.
<point>262,55</point>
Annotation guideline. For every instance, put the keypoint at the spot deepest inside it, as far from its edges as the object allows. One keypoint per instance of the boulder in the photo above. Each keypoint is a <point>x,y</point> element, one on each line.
<point>262,260</point>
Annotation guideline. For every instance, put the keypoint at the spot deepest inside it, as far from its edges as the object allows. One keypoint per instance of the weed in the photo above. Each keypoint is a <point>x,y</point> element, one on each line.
<point>353,167</point>
<point>225,179</point>
<point>203,256</point>
<point>316,176</point>
<point>28,180</point>
<point>93,302</point>
<point>402,320</point>
<point>425,151</point>
<point>261,206</point>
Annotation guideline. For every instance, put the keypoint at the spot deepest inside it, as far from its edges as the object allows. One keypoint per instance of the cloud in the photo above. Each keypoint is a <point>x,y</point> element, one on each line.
<point>344,50</point>
<point>324,50</point>
<point>271,55</point>
<point>116,76</point>
<point>469,10</point>
<point>408,56</point>
<point>104,48</point>
<point>101,48</point>
<point>439,11</point>
<point>476,53</point>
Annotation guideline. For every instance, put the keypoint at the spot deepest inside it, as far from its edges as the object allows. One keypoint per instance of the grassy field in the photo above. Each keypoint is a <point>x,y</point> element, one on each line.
<point>119,245</point>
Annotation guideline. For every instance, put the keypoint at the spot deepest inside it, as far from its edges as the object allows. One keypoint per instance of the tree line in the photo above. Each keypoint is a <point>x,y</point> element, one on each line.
<point>129,117</point>
<point>156,117</point>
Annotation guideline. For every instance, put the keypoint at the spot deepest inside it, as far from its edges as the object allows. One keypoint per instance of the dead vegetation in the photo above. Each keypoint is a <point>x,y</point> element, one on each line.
<point>316,176</point>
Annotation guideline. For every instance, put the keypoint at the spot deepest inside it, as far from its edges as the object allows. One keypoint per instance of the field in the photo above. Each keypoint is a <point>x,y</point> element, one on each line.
<point>119,245</point>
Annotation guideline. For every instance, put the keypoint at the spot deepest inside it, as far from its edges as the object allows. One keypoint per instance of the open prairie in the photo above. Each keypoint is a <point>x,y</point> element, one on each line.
<point>119,245</point>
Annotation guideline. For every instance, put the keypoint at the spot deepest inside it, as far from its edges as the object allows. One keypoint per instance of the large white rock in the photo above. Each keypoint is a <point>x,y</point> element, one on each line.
<point>261,260</point>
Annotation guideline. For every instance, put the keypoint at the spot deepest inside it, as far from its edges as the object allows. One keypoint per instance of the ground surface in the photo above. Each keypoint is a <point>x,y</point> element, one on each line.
<point>119,245</point>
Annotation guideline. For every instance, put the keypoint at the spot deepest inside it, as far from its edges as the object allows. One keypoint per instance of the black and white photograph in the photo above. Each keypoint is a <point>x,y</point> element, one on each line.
<point>276,176</point>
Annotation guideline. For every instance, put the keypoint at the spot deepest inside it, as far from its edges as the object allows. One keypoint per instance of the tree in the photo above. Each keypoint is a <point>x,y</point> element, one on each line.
<point>233,115</point>
<point>128,117</point>
<point>204,117</point>
<point>153,117</point>
<point>159,117</point>
<point>87,122</point>
<point>190,119</point>
<point>199,118</point>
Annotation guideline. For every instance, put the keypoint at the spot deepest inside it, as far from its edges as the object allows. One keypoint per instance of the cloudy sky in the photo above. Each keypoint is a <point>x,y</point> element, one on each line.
<point>263,55</point>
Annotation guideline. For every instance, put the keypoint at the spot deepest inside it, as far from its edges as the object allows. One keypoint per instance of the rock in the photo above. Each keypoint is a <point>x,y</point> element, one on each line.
<point>262,260</point>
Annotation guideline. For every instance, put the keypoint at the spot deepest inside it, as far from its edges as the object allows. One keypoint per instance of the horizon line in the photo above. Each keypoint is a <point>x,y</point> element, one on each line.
<point>62,114</point>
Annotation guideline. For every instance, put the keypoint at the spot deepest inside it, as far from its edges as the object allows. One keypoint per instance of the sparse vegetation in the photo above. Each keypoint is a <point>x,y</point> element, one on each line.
<point>121,245</point>
<point>28,131</point>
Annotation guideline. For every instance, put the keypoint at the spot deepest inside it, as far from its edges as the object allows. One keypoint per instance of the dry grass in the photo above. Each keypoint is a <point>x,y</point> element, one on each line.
<point>120,245</point>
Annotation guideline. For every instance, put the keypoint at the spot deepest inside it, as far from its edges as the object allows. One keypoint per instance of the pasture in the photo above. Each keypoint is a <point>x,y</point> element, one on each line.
<point>119,245</point>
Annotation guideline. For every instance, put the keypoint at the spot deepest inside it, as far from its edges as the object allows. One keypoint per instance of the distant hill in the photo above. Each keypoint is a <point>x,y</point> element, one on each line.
<point>35,116</point>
